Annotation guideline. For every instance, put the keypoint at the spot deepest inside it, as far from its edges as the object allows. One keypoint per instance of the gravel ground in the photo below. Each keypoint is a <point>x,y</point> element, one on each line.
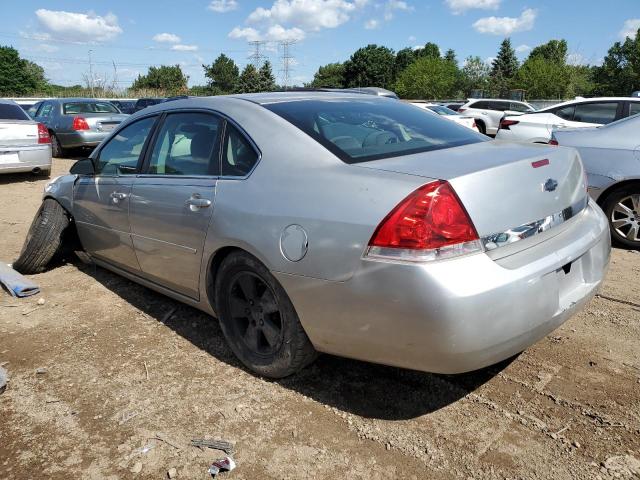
<point>110,380</point>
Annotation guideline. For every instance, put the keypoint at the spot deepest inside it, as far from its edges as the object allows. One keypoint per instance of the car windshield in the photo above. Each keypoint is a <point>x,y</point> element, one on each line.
<point>440,110</point>
<point>364,130</point>
<point>9,111</point>
<point>72,108</point>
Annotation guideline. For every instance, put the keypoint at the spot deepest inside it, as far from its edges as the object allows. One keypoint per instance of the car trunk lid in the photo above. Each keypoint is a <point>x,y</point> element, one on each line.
<point>502,185</point>
<point>102,122</point>
<point>18,132</point>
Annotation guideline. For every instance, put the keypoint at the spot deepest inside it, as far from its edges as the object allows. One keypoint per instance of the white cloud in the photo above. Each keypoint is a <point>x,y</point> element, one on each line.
<point>392,5</point>
<point>275,33</point>
<point>249,34</point>
<point>86,27</point>
<point>371,24</point>
<point>522,48</point>
<point>507,25</point>
<point>460,6</point>
<point>630,28</point>
<point>223,6</point>
<point>184,48</point>
<point>489,60</point>
<point>166,38</point>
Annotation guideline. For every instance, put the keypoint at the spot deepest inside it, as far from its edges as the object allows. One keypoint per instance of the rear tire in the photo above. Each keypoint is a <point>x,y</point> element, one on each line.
<point>258,319</point>
<point>481,127</point>
<point>56,149</point>
<point>622,208</point>
<point>44,238</point>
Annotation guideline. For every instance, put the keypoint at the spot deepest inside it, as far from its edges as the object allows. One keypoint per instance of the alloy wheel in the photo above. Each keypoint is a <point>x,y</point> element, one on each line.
<point>625,217</point>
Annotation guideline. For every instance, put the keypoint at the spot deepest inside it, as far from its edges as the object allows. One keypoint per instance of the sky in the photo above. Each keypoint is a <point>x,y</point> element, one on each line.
<point>123,38</point>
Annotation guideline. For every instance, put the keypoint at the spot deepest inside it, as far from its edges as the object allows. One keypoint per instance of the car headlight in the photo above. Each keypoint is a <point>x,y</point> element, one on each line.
<point>51,185</point>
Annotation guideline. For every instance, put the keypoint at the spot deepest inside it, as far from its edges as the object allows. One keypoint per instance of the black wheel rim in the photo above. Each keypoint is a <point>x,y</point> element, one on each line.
<point>255,313</point>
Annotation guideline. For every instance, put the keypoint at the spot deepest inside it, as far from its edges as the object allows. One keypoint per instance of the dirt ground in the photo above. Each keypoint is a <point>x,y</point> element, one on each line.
<point>106,382</point>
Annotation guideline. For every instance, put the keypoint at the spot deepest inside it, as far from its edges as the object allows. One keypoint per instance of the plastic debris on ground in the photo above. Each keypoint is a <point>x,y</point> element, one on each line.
<point>225,464</point>
<point>3,379</point>
<point>15,283</point>
<point>223,445</point>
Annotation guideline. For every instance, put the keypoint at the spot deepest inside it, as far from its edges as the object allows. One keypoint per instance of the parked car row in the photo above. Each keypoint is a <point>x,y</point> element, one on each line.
<point>449,114</point>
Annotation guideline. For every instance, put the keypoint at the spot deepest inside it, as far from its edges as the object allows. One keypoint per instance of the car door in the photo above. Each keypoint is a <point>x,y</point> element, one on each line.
<point>44,114</point>
<point>101,201</point>
<point>172,200</point>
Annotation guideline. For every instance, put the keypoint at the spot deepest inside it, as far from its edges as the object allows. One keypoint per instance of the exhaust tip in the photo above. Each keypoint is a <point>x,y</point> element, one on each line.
<point>36,170</point>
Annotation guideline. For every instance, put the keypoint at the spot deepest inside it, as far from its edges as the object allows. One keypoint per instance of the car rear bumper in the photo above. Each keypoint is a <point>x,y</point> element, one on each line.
<point>81,138</point>
<point>457,315</point>
<point>527,135</point>
<point>25,158</point>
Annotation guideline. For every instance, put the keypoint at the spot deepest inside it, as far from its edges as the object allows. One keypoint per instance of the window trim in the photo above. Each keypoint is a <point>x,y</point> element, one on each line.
<point>96,158</point>
<point>617,114</point>
<point>251,143</point>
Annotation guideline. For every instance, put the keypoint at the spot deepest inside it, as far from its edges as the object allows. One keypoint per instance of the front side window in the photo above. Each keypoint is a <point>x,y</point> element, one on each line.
<point>74,108</point>
<point>238,156</point>
<point>634,109</point>
<point>188,144</point>
<point>45,111</point>
<point>601,113</point>
<point>358,130</point>
<point>121,153</point>
<point>519,107</point>
<point>480,105</point>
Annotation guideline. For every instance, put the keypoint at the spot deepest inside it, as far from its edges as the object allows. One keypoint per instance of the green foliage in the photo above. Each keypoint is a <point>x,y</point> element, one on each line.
<point>223,75</point>
<point>475,75</point>
<point>581,81</point>
<point>249,81</point>
<point>266,80</point>
<point>428,78</point>
<point>553,51</point>
<point>17,75</point>
<point>620,71</point>
<point>503,69</point>
<point>404,58</point>
<point>450,56</point>
<point>169,79</point>
<point>329,76</point>
<point>430,50</point>
<point>371,66</point>
<point>542,78</point>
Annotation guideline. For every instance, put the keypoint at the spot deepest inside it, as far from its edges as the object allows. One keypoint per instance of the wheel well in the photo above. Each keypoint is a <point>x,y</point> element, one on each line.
<point>625,183</point>
<point>212,272</point>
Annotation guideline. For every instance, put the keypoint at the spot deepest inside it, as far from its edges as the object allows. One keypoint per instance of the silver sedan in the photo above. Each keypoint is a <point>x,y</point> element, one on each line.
<point>337,222</point>
<point>611,156</point>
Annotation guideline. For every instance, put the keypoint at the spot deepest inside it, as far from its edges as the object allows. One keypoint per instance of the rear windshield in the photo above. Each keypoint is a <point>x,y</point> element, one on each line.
<point>89,107</point>
<point>440,110</point>
<point>12,112</point>
<point>364,130</point>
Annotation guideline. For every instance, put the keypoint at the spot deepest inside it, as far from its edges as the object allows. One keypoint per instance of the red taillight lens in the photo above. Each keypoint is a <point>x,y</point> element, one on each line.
<point>431,218</point>
<point>505,124</point>
<point>43,134</point>
<point>79,123</point>
<point>460,110</point>
<point>553,141</point>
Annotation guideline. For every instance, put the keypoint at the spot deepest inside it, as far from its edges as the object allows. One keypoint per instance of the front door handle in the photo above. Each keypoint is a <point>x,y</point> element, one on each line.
<point>117,196</point>
<point>196,202</point>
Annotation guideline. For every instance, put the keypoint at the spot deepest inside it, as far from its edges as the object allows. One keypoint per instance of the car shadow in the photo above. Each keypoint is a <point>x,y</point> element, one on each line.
<point>23,177</point>
<point>361,388</point>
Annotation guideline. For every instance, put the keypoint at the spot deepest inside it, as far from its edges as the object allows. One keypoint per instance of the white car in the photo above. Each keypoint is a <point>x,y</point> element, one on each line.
<point>582,112</point>
<point>488,112</point>
<point>25,145</point>
<point>449,114</point>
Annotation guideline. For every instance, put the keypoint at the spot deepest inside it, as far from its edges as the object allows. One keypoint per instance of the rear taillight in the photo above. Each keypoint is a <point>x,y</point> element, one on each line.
<point>553,141</point>
<point>43,134</point>
<point>474,125</point>
<point>430,224</point>
<point>79,123</point>
<point>460,110</point>
<point>505,124</point>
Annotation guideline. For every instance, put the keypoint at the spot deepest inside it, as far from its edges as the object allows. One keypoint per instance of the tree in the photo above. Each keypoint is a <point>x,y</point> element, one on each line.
<point>620,71</point>
<point>428,78</point>
<point>223,75</point>
<point>404,58</point>
<point>450,56</point>
<point>329,76</point>
<point>553,50</point>
<point>19,76</point>
<point>580,80</point>
<point>542,78</point>
<point>371,66</point>
<point>475,75</point>
<point>169,79</point>
<point>430,50</point>
<point>504,68</point>
<point>266,80</point>
<point>249,81</point>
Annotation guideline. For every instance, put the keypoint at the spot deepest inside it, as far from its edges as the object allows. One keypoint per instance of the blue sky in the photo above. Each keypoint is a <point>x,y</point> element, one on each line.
<point>134,34</point>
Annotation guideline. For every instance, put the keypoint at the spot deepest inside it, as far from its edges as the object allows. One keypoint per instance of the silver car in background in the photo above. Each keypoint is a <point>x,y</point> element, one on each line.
<point>337,222</point>
<point>77,122</point>
<point>611,157</point>
<point>25,145</point>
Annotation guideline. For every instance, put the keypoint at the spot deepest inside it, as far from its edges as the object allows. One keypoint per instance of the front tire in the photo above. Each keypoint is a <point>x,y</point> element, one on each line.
<point>258,319</point>
<point>44,238</point>
<point>622,207</point>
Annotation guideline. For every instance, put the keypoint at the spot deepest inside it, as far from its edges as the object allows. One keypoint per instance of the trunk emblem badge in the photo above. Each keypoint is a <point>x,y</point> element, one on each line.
<point>550,185</point>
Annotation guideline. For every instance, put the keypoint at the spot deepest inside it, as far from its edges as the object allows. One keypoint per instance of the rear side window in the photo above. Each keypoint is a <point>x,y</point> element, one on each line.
<point>519,107</point>
<point>45,110</point>
<point>602,113</point>
<point>634,109</point>
<point>499,106</point>
<point>481,105</point>
<point>9,111</point>
<point>566,113</point>
<point>238,156</point>
<point>188,144</point>
<point>88,107</point>
<point>363,130</point>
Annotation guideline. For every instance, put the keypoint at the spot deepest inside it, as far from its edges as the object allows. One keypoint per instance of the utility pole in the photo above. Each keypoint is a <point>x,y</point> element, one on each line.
<point>257,57</point>
<point>287,61</point>
<point>91,74</point>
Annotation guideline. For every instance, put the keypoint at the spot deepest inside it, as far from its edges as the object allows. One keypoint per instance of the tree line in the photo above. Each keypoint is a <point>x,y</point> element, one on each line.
<point>417,73</point>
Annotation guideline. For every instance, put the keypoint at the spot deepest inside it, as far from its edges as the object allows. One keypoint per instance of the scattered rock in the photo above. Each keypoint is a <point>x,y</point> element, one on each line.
<point>172,473</point>
<point>41,371</point>
<point>625,465</point>
<point>137,467</point>
<point>41,301</point>
<point>576,444</point>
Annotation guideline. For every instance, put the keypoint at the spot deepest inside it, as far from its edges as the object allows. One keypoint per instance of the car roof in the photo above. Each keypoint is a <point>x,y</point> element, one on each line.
<point>585,100</point>
<point>8,102</point>
<point>279,97</point>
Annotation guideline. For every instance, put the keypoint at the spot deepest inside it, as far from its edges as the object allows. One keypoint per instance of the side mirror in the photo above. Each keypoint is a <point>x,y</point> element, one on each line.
<point>83,167</point>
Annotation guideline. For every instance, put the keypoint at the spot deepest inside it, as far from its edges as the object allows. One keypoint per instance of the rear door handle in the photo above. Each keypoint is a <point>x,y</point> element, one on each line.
<point>196,202</point>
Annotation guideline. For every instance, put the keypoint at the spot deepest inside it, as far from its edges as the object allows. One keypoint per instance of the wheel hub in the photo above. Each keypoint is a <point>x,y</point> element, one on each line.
<point>625,217</point>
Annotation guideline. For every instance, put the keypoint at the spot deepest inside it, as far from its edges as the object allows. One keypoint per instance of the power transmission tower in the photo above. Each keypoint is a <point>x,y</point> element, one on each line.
<point>91,73</point>
<point>287,60</point>
<point>257,57</point>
